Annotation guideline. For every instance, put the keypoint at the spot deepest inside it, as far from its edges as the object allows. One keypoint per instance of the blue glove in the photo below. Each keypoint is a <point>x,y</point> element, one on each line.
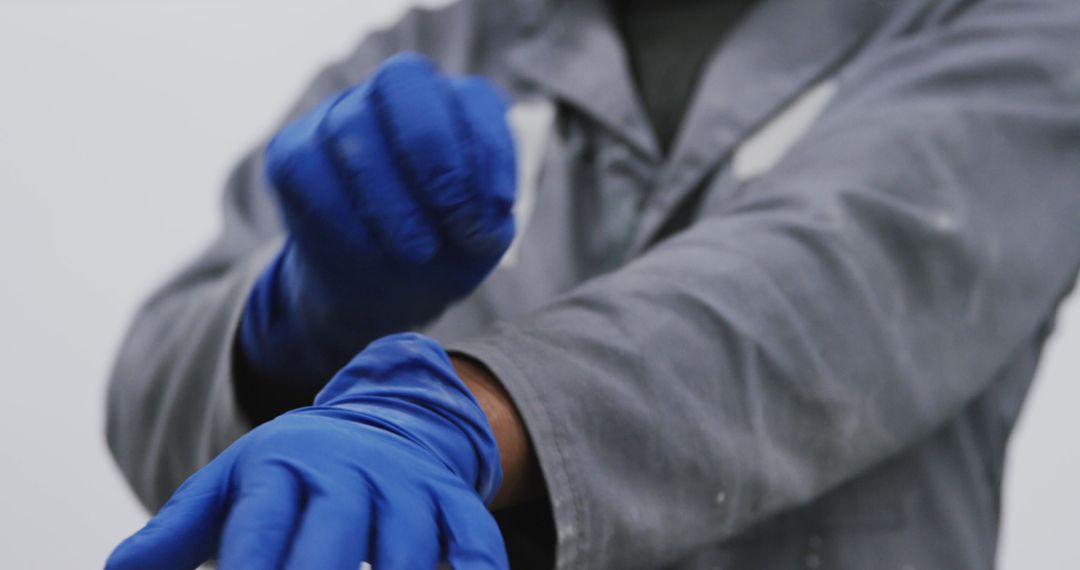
<point>392,465</point>
<point>397,195</point>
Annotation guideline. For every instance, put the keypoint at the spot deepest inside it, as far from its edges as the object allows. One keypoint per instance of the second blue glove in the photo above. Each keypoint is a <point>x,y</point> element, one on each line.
<point>397,196</point>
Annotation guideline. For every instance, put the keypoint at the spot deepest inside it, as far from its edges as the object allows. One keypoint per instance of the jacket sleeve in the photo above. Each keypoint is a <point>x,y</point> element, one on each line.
<point>828,315</point>
<point>172,400</point>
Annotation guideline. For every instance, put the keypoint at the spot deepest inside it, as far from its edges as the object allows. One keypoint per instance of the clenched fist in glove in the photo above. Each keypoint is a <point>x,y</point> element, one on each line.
<point>397,197</point>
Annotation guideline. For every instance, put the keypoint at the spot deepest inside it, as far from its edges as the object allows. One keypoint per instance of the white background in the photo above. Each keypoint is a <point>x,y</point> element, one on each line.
<point>118,122</point>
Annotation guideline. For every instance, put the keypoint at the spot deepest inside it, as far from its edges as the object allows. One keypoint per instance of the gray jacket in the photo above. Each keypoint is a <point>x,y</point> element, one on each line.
<point>800,340</point>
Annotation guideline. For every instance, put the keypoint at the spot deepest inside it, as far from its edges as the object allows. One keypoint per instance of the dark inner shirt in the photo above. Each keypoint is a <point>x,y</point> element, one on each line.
<point>667,44</point>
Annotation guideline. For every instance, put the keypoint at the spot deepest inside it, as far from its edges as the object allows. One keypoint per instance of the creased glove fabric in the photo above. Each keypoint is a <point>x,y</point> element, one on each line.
<point>397,196</point>
<point>392,465</point>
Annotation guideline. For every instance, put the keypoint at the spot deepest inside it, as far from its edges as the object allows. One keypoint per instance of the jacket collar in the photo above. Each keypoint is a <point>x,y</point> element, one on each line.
<point>575,54</point>
<point>781,48</point>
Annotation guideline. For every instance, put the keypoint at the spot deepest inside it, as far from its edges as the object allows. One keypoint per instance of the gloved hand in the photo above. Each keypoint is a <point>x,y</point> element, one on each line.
<point>397,195</point>
<point>392,465</point>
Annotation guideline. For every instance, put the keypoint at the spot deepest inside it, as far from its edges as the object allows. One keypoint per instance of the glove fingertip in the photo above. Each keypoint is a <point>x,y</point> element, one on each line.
<point>293,143</point>
<point>417,248</point>
<point>120,558</point>
<point>489,241</point>
<point>413,59</point>
<point>481,89</point>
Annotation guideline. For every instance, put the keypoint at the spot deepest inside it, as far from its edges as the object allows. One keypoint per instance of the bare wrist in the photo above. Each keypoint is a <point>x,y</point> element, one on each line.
<point>521,475</point>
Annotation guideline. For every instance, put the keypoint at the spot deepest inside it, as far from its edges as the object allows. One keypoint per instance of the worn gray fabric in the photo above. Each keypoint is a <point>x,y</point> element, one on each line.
<point>818,366</point>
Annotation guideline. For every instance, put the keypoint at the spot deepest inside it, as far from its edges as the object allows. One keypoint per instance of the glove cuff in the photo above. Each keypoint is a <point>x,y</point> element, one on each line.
<point>405,383</point>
